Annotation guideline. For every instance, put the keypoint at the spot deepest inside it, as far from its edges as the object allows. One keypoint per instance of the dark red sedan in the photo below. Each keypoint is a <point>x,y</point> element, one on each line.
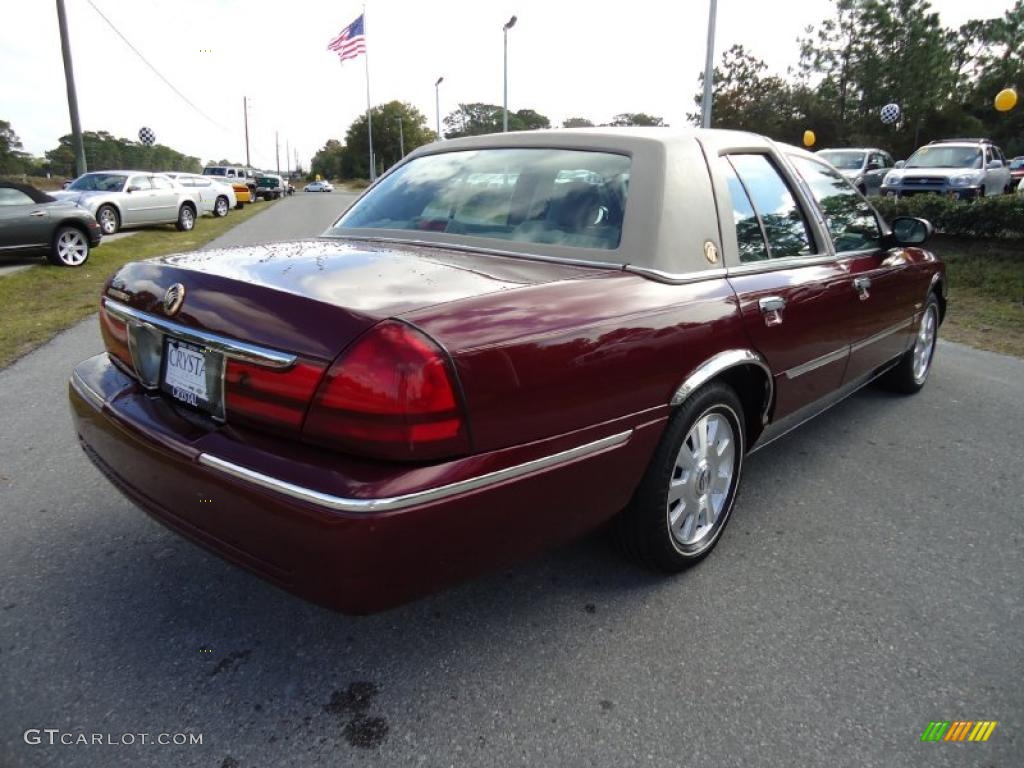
<point>507,341</point>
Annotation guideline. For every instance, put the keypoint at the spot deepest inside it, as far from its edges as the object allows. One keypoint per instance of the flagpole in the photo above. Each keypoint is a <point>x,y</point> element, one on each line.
<point>369,121</point>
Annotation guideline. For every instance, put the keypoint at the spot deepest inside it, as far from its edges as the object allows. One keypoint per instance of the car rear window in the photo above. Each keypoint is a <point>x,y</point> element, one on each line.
<point>559,197</point>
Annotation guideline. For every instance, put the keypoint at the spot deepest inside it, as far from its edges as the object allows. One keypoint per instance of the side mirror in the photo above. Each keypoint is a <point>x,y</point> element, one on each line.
<point>133,189</point>
<point>899,163</point>
<point>907,230</point>
<point>65,185</point>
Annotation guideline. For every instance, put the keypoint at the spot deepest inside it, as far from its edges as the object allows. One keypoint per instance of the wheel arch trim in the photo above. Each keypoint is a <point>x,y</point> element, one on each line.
<point>718,364</point>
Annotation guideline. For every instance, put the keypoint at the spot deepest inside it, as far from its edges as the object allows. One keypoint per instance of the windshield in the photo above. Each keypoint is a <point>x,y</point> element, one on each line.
<point>99,182</point>
<point>215,171</point>
<point>844,160</point>
<point>945,157</point>
<point>552,196</point>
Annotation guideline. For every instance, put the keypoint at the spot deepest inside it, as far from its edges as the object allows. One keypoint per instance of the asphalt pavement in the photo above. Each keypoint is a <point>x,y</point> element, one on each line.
<point>871,581</point>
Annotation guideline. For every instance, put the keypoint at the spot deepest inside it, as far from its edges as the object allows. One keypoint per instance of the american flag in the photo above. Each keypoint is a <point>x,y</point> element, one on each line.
<point>351,42</point>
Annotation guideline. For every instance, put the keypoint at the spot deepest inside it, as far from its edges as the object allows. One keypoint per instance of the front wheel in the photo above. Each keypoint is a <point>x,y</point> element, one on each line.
<point>108,219</point>
<point>70,247</point>
<point>186,218</point>
<point>685,499</point>
<point>911,372</point>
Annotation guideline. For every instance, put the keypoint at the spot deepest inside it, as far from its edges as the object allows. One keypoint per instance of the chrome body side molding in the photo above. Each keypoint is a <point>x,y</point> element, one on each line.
<point>818,362</point>
<point>232,348</point>
<point>723,361</point>
<point>392,503</point>
<point>881,335</point>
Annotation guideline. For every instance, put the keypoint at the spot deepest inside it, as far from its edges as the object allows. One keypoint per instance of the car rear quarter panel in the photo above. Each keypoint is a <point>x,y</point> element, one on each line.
<point>549,359</point>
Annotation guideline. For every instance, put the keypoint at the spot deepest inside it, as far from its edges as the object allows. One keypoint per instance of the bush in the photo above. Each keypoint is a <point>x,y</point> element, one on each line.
<point>990,217</point>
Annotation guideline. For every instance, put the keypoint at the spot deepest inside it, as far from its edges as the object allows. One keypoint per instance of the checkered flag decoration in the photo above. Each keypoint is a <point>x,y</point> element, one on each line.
<point>146,136</point>
<point>890,113</point>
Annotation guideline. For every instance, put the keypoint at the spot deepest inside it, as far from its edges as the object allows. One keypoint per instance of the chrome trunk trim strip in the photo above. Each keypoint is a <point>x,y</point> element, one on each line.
<point>237,350</point>
<point>392,503</point>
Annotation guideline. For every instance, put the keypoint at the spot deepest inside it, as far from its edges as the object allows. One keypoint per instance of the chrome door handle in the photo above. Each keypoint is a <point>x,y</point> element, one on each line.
<point>37,214</point>
<point>771,307</point>
<point>861,284</point>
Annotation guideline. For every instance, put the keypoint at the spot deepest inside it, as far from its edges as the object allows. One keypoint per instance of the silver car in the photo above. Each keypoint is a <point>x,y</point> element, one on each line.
<point>214,196</point>
<point>120,199</point>
<point>864,167</point>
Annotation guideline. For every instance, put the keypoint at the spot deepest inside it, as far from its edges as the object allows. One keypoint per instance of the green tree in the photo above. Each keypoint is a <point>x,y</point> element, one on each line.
<point>477,119</point>
<point>12,159</point>
<point>577,122</point>
<point>635,118</point>
<point>327,162</point>
<point>386,145</point>
<point>105,152</point>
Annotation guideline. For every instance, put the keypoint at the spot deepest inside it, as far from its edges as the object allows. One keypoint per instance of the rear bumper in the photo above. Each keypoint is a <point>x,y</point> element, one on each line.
<point>361,551</point>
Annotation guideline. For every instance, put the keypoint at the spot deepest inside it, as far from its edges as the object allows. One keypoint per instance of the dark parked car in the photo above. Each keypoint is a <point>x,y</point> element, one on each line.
<point>1017,169</point>
<point>505,342</point>
<point>31,220</point>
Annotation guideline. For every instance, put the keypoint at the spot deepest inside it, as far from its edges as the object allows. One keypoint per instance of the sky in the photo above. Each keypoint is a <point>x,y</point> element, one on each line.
<point>566,58</point>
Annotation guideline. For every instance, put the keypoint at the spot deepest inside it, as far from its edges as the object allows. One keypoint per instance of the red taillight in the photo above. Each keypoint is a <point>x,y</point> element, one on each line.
<point>269,397</point>
<point>115,337</point>
<point>391,395</point>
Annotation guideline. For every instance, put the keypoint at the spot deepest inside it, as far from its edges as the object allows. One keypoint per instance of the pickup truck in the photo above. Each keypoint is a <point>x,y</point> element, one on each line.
<point>243,182</point>
<point>269,186</point>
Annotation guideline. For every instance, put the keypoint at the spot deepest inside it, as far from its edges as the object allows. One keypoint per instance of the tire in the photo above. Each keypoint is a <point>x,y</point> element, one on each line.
<point>109,219</point>
<point>70,247</point>
<point>662,527</point>
<point>239,205</point>
<point>186,218</point>
<point>221,206</point>
<point>911,372</point>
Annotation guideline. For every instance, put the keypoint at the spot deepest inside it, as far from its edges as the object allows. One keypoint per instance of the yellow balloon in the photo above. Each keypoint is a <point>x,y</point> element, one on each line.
<point>1006,99</point>
<point>809,138</point>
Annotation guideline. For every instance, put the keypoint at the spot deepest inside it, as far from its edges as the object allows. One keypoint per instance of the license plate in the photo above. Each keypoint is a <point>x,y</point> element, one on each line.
<point>191,375</point>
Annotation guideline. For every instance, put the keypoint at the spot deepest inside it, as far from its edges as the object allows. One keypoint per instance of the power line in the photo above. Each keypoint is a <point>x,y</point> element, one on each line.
<point>155,70</point>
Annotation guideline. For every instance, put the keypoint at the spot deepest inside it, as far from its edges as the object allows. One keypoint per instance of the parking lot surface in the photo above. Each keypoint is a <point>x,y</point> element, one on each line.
<point>871,581</point>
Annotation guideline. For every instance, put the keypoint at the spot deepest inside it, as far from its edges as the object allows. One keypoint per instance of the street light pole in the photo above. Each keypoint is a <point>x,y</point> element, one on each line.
<point>709,68</point>
<point>437,104</point>
<point>69,78</point>
<point>504,119</point>
<point>245,112</point>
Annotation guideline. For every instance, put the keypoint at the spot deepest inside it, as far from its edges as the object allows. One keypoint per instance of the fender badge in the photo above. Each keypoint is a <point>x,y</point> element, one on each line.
<point>173,299</point>
<point>710,252</point>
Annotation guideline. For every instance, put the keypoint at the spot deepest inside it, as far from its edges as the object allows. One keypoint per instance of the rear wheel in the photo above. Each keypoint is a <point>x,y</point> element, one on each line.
<point>911,372</point>
<point>186,218</point>
<point>221,206</point>
<point>686,497</point>
<point>108,219</point>
<point>70,247</point>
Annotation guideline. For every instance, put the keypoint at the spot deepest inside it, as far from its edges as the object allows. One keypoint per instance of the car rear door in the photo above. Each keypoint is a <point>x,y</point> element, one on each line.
<point>880,324</point>
<point>793,295</point>
<point>23,223</point>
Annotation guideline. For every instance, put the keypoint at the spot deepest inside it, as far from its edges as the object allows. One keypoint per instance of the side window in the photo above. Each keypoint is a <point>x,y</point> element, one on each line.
<point>231,172</point>
<point>161,183</point>
<point>785,228</point>
<point>749,235</point>
<point>10,196</point>
<point>140,182</point>
<point>851,221</point>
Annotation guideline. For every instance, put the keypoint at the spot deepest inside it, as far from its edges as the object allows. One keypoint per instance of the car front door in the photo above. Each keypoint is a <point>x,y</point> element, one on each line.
<point>23,222</point>
<point>793,295</point>
<point>874,173</point>
<point>137,201</point>
<point>165,199</point>
<point>880,325</point>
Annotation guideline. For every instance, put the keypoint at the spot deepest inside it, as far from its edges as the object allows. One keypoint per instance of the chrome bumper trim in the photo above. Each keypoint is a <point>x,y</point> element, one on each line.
<point>392,503</point>
<point>88,393</point>
<point>237,350</point>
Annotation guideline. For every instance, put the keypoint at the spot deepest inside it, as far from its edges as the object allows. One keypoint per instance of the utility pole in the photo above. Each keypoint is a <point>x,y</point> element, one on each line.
<point>401,139</point>
<point>437,105</point>
<point>709,68</point>
<point>245,112</point>
<point>277,153</point>
<point>69,78</point>
<point>504,120</point>
<point>287,158</point>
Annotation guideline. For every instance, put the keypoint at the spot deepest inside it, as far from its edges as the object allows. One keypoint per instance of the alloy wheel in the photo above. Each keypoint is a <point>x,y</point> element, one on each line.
<point>924,344</point>
<point>72,248</point>
<point>108,221</point>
